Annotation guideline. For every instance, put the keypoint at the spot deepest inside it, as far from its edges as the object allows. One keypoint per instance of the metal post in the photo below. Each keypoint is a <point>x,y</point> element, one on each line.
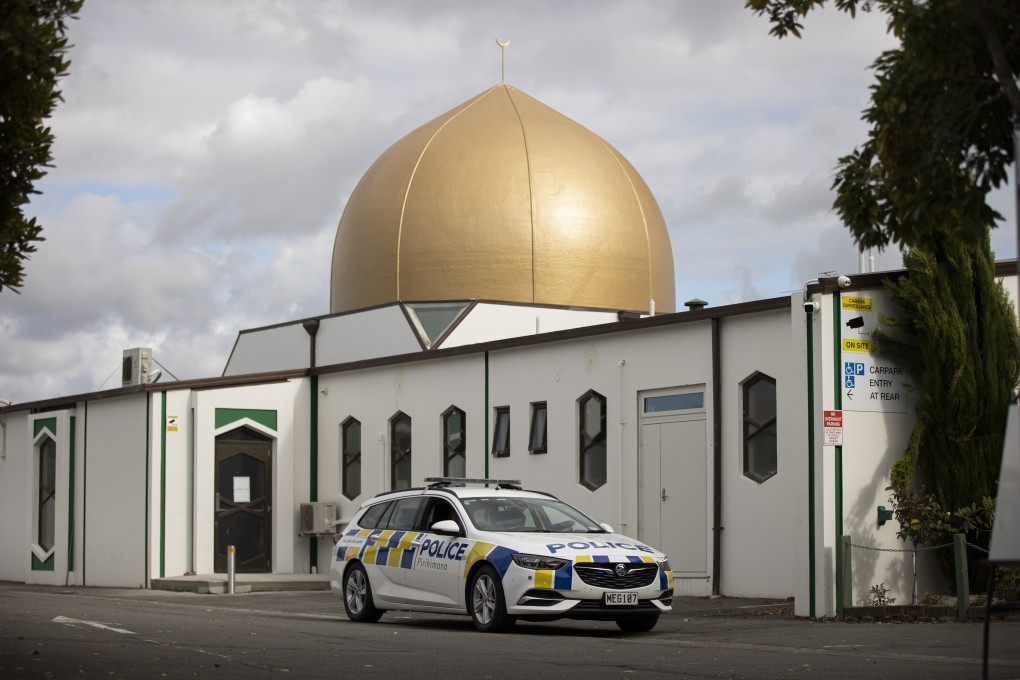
<point>230,569</point>
<point>962,576</point>
<point>844,594</point>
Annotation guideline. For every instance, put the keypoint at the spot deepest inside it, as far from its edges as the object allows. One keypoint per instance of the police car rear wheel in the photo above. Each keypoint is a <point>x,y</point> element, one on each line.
<point>486,603</point>
<point>358,596</point>
<point>637,624</point>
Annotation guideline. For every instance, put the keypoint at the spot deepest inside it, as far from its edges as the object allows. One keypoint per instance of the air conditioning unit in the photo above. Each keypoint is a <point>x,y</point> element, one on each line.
<point>318,518</point>
<point>136,366</point>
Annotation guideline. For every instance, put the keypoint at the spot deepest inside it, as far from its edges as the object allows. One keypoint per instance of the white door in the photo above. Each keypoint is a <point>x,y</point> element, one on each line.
<point>673,486</point>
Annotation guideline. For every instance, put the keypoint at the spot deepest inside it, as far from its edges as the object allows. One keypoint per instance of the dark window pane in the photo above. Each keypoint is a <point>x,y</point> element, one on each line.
<point>47,493</point>
<point>592,440</point>
<point>675,402</point>
<point>538,437</point>
<point>351,472</point>
<point>454,448</point>
<point>761,454</point>
<point>400,451</point>
<point>373,516</point>
<point>501,432</point>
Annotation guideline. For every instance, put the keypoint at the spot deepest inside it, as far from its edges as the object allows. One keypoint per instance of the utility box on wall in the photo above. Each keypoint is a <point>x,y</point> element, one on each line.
<point>136,366</point>
<point>317,518</point>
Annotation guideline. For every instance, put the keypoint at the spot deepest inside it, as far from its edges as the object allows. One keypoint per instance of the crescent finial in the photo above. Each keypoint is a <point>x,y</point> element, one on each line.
<point>502,59</point>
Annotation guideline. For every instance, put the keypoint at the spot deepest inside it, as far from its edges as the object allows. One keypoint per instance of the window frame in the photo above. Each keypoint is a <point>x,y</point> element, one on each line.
<point>542,445</point>
<point>458,452</point>
<point>399,456</point>
<point>46,496</point>
<point>347,460</point>
<point>501,444</point>
<point>752,430</point>
<point>592,448</point>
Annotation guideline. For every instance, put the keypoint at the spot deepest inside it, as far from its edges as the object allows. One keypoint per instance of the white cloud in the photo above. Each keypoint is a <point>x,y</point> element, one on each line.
<point>205,152</point>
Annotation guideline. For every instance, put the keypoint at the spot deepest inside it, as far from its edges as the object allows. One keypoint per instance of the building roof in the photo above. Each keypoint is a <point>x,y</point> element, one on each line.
<point>503,198</point>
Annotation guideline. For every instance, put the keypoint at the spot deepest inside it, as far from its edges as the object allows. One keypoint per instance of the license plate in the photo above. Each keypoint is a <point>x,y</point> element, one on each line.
<point>626,599</point>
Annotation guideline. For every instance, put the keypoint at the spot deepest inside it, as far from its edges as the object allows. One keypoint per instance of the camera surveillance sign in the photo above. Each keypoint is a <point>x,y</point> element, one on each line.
<point>870,382</point>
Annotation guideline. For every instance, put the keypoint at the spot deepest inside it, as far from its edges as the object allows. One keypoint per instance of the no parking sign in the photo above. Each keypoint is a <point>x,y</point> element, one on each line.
<point>832,422</point>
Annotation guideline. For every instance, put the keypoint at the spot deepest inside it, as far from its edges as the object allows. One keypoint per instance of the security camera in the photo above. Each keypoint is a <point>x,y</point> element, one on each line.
<point>810,306</point>
<point>843,281</point>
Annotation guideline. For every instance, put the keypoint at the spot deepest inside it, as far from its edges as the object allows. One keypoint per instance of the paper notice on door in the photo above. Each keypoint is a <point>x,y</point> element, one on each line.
<point>242,489</point>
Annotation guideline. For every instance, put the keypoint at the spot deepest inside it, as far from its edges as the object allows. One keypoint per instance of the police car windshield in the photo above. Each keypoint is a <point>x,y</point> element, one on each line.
<point>538,515</point>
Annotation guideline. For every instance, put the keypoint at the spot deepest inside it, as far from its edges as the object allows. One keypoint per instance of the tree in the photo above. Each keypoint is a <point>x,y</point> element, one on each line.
<point>32,58</point>
<point>958,337</point>
<point>943,111</point>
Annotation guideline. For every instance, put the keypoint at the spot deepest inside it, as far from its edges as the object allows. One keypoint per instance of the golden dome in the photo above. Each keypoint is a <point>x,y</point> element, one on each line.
<point>502,198</point>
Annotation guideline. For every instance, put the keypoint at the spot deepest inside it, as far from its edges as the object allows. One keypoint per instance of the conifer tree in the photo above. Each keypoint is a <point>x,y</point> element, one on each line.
<point>958,336</point>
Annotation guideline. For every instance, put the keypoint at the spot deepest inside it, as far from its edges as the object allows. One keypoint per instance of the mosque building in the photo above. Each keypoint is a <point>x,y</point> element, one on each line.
<point>501,305</point>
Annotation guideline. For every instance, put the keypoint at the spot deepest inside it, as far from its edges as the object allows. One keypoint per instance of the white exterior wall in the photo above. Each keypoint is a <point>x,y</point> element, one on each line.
<point>365,335</point>
<point>279,348</point>
<point>172,551</point>
<point>764,542</point>
<point>489,321</point>
<point>373,396</point>
<point>114,466</point>
<point>291,472</point>
<point>562,373</point>
<point>15,496</point>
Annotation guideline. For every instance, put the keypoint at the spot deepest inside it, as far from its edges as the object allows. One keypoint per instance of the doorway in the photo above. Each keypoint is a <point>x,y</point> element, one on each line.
<point>244,492</point>
<point>673,488</point>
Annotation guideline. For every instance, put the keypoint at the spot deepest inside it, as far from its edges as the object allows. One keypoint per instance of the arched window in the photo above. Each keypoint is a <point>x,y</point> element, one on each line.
<point>350,473</point>
<point>592,439</point>
<point>400,451</point>
<point>454,448</point>
<point>47,494</point>
<point>761,456</point>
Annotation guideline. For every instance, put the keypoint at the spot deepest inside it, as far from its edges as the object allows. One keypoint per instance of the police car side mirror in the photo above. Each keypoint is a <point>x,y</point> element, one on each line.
<point>446,527</point>
<point>608,528</point>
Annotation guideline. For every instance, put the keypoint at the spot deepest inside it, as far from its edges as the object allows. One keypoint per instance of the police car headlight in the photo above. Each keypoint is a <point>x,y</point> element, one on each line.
<point>664,564</point>
<point>538,561</point>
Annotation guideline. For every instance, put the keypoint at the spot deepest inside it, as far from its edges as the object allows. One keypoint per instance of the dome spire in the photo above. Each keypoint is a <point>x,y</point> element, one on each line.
<point>502,63</point>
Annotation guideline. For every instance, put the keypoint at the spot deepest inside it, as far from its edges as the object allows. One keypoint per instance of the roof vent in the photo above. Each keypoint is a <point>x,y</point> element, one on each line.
<point>695,304</point>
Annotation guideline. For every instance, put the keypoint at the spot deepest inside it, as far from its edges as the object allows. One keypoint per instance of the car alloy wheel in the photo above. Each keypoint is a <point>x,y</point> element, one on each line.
<point>486,604</point>
<point>358,596</point>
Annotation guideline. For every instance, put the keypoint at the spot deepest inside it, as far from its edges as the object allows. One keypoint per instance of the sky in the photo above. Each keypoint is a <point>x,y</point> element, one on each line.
<point>205,151</point>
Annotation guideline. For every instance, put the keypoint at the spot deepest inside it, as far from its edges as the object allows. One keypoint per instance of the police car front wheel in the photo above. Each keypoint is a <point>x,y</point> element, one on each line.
<point>358,596</point>
<point>486,603</point>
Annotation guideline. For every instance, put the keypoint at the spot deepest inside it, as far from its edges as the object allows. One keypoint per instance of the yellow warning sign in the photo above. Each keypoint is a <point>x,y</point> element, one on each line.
<point>856,304</point>
<point>852,345</point>
<point>171,423</point>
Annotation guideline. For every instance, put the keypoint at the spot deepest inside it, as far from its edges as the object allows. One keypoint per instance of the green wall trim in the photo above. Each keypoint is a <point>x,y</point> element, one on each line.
<point>226,416</point>
<point>837,371</point>
<point>44,423</point>
<point>70,499</point>
<point>39,565</point>
<point>811,457</point>
<point>313,466</point>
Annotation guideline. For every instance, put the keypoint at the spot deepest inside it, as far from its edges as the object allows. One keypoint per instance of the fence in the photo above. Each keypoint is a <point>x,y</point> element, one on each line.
<point>959,545</point>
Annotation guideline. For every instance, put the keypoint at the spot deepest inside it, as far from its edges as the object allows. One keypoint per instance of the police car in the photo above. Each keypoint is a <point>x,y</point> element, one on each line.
<point>491,550</point>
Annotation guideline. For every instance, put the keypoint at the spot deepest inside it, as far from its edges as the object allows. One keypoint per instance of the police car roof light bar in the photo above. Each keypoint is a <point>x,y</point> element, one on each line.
<point>463,481</point>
